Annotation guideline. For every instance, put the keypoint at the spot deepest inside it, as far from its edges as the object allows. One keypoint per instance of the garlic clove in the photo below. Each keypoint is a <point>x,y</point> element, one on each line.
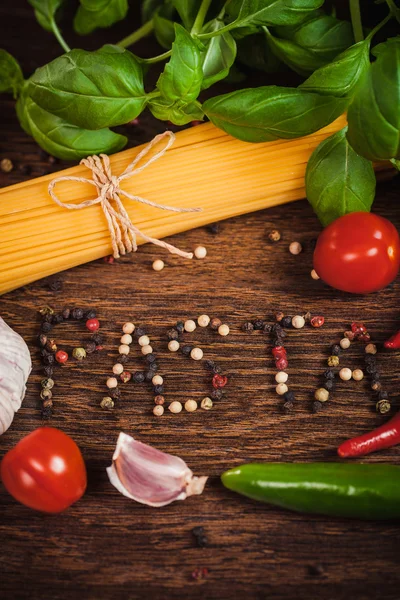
<point>149,476</point>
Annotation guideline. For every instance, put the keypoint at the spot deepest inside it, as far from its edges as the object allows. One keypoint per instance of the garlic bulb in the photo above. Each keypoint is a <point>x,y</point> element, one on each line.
<point>151,477</point>
<point>15,366</point>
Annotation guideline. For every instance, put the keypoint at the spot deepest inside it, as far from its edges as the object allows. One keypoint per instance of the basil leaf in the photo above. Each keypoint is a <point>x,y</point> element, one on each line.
<point>270,12</point>
<point>178,112</point>
<point>338,180</point>
<point>62,139</point>
<point>374,114</point>
<point>11,77</point>
<point>255,53</point>
<point>182,75</point>
<point>312,44</point>
<point>340,77</point>
<point>187,10</point>
<point>164,30</point>
<point>219,55</point>
<point>268,113</point>
<point>92,90</point>
<point>92,14</point>
<point>45,11</point>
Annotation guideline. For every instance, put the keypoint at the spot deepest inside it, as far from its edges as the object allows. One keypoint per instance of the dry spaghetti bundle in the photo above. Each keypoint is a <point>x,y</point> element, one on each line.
<point>204,168</point>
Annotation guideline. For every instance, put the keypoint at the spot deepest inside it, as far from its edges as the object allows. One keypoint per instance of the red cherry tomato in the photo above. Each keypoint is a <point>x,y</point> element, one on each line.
<point>358,253</point>
<point>45,471</point>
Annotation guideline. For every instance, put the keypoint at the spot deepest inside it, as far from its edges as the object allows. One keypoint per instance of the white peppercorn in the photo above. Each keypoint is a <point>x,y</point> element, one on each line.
<point>112,382</point>
<point>144,340</point>
<point>281,377</point>
<point>175,407</point>
<point>173,345</point>
<point>314,275</point>
<point>298,322</point>
<point>158,265</point>
<point>158,410</point>
<point>200,252</point>
<point>203,320</point>
<point>126,339</point>
<point>190,405</point>
<point>345,374</point>
<point>345,343</point>
<point>321,394</point>
<point>371,349</point>
<point>281,389</point>
<point>358,374</point>
<point>223,330</point>
<point>147,349</point>
<point>123,349</point>
<point>117,369</point>
<point>196,354</point>
<point>157,380</point>
<point>189,325</point>
<point>128,327</point>
<point>295,248</point>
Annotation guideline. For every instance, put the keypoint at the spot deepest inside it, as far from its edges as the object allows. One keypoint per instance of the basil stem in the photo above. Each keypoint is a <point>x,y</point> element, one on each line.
<point>355,14</point>
<point>156,59</point>
<point>201,15</point>
<point>137,35</point>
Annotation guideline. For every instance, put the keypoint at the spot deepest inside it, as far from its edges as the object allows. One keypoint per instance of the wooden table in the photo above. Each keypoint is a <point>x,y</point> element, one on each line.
<point>108,547</point>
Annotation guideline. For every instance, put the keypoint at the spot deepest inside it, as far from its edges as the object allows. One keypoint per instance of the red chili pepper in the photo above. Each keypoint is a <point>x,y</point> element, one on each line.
<point>393,342</point>
<point>383,437</point>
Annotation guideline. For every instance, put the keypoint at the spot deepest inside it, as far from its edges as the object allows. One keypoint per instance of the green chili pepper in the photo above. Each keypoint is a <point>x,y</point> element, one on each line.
<point>363,491</point>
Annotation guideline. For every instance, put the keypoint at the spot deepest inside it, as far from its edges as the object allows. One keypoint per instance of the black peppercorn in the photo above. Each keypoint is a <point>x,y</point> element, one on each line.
<point>46,412</point>
<point>329,374</point>
<point>383,395</point>
<point>123,359</point>
<point>154,367</point>
<point>138,377</point>
<point>216,369</point>
<point>42,340</point>
<point>66,313</point>
<point>149,375</point>
<point>335,350</point>
<point>289,396</point>
<point>248,326</point>
<point>77,314</point>
<point>186,350</point>
<point>317,406</point>
<point>329,384</point>
<point>180,327</point>
<point>200,536</point>
<point>48,371</point>
<point>286,322</point>
<point>57,319</point>
<point>369,359</point>
<point>278,331</point>
<point>25,169</point>
<point>214,228</point>
<point>45,352</point>
<point>46,327</point>
<point>55,285</point>
<point>90,347</point>
<point>258,324</point>
<point>98,339</point>
<point>209,364</point>
<point>139,331</point>
<point>158,390</point>
<point>49,359</point>
<point>287,407</point>
<point>173,334</point>
<point>91,314</point>
<point>115,393</point>
<point>150,358</point>
<point>47,317</point>
<point>371,370</point>
<point>216,394</point>
<point>267,328</point>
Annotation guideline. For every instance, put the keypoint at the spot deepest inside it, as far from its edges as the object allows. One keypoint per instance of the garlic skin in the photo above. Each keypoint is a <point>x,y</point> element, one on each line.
<point>15,367</point>
<point>149,476</point>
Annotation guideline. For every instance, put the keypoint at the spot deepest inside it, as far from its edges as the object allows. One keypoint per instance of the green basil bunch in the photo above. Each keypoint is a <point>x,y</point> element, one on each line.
<point>71,104</point>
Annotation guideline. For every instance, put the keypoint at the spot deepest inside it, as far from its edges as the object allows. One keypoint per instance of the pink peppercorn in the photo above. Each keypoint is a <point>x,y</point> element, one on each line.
<point>125,376</point>
<point>317,321</point>
<point>219,381</point>
<point>358,328</point>
<point>278,352</point>
<point>365,337</point>
<point>282,364</point>
<point>93,325</point>
<point>61,357</point>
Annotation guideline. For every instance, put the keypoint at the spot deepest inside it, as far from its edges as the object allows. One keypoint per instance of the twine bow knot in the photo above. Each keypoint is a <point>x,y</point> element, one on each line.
<point>122,231</point>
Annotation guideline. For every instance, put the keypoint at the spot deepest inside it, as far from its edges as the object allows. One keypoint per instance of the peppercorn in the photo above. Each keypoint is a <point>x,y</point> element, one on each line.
<point>282,364</point>
<point>383,406</point>
<point>79,353</point>
<point>333,361</point>
<point>44,352</point>
<point>307,316</point>
<point>42,340</point>
<point>287,407</point>
<point>47,412</point>
<point>215,323</point>
<point>364,337</point>
<point>214,228</point>
<point>370,349</point>
<point>358,328</point>
<point>278,330</point>
<point>329,374</point>
<point>150,358</point>
<point>207,403</point>
<point>371,369</point>
<point>209,364</point>
<point>158,390</point>
<point>190,405</point>
<point>321,394</point>
<point>48,371</point>
<point>91,314</point>
<point>48,359</point>
<point>153,367</point>
<point>219,381</point>
<point>274,235</point>
<point>173,346</point>
<point>46,394</point>
<point>186,350</point>
<point>46,327</point>
<point>46,310</point>
<point>180,326</point>
<point>57,319</point>
<point>98,338</point>
<point>90,347</point>
<point>125,376</point>
<point>370,359</point>
<point>317,321</point>
<point>248,327</point>
<point>77,314</point>
<point>138,377</point>
<point>289,396</point>
<point>159,400</point>
<point>376,386</point>
<point>123,358</point>
<point>173,334</point>
<point>286,322</point>
<point>48,403</point>
<point>139,331</point>
<point>279,316</point>
<point>329,385</point>
<point>25,169</point>
<point>358,375</point>
<point>267,328</point>
<point>200,536</point>
<point>47,318</point>
<point>316,406</point>
<point>258,324</point>
<point>175,407</point>
<point>336,350</point>
<point>295,248</point>
<point>115,393</point>
<point>66,313</point>
<point>148,376</point>
<point>158,410</point>
<point>217,394</point>
<point>345,343</point>
<point>47,383</point>
<point>383,395</point>
<point>107,403</point>
<point>298,322</point>
<point>93,324</point>
<point>345,374</point>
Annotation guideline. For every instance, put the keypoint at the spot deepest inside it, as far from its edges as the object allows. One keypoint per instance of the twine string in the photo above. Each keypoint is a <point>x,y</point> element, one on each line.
<point>123,232</point>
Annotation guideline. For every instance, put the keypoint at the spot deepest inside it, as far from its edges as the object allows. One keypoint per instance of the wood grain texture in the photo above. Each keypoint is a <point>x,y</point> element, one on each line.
<point>107,547</point>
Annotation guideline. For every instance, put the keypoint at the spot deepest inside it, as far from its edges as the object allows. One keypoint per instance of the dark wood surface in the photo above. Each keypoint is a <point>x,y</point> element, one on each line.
<point>108,547</point>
